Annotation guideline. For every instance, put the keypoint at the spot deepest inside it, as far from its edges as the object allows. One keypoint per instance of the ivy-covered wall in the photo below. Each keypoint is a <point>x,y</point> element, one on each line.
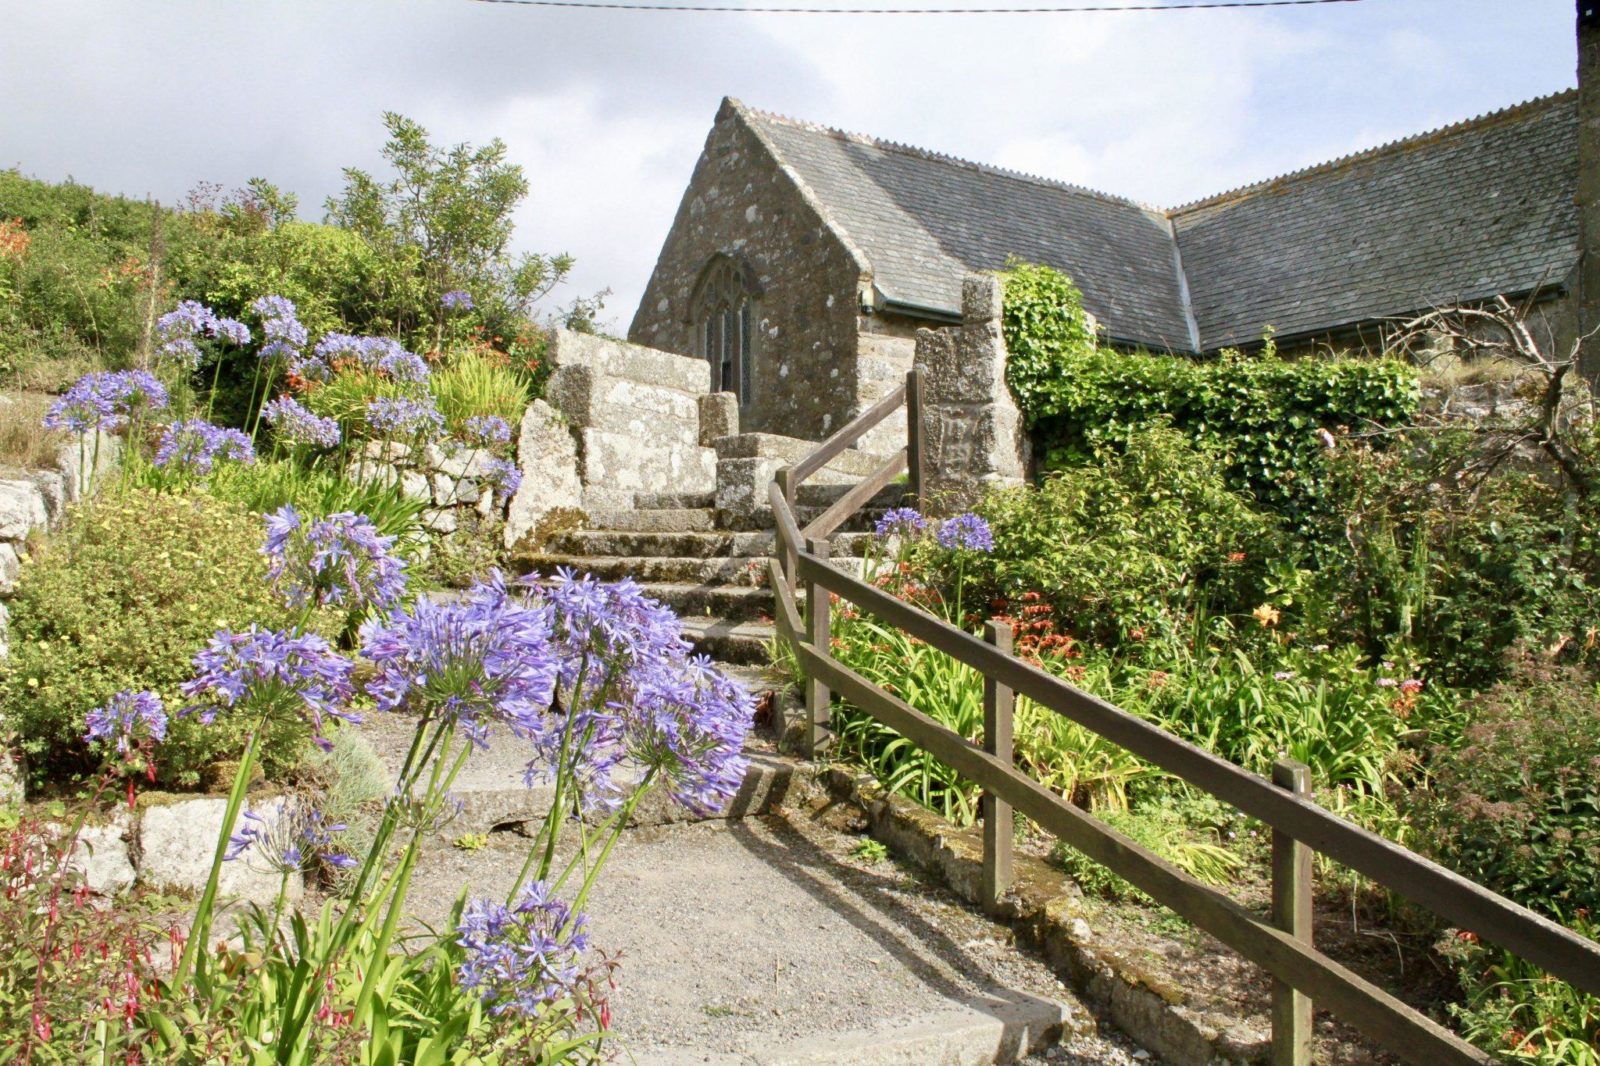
<point>1273,418</point>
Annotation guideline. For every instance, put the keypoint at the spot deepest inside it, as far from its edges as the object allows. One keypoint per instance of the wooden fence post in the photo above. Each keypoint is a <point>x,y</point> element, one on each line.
<point>914,472</point>
<point>999,832</point>
<point>1291,912</point>
<point>785,480</point>
<point>820,637</point>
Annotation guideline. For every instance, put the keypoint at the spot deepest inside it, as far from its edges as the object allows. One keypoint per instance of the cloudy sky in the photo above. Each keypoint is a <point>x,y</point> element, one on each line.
<point>607,110</point>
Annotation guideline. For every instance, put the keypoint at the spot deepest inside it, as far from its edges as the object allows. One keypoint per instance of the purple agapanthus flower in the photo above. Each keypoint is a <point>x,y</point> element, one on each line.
<point>128,720</point>
<point>177,330</point>
<point>404,366</point>
<point>504,476</point>
<point>966,532</point>
<point>293,424</point>
<point>404,417</point>
<point>195,445</point>
<point>457,300</point>
<point>486,431</point>
<point>900,522</point>
<point>104,400</point>
<point>271,672</point>
<point>280,324</point>
<point>521,957</point>
<point>341,559</point>
<point>647,698</point>
<point>294,837</point>
<point>480,661</point>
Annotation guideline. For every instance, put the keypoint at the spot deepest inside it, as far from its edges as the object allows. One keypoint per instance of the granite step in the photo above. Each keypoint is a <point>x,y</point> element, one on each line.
<point>729,602</point>
<point>670,569</point>
<point>655,520</point>
<point>729,640</point>
<point>697,545</point>
<point>671,501</point>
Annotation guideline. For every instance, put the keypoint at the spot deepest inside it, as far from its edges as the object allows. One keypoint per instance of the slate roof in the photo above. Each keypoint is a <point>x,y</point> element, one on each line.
<point>1482,207</point>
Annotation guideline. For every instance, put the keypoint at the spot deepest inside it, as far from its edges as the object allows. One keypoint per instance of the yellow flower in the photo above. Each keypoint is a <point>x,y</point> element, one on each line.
<point>1266,614</point>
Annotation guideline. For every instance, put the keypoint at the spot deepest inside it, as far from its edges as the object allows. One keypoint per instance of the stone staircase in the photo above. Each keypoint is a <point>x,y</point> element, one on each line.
<point>714,578</point>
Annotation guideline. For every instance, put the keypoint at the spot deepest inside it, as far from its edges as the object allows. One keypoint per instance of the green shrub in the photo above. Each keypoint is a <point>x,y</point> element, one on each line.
<point>122,596</point>
<point>1515,804</point>
<point>1186,831</point>
<point>1045,328</point>
<point>1137,542</point>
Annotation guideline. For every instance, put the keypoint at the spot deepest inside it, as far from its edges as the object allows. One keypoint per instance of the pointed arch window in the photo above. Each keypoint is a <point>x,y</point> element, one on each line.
<point>725,327</point>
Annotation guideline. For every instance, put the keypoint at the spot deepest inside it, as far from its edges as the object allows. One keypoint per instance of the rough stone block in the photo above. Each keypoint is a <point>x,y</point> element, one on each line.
<point>10,567</point>
<point>981,298</point>
<point>87,467</point>
<point>415,486</point>
<point>440,520</point>
<point>448,491</point>
<point>177,841</point>
<point>624,360</point>
<point>5,640</point>
<point>742,486</point>
<point>548,458</point>
<point>102,855</point>
<point>719,417</point>
<point>469,464</point>
<point>641,464</point>
<point>970,449</point>
<point>53,488</point>
<point>21,509</point>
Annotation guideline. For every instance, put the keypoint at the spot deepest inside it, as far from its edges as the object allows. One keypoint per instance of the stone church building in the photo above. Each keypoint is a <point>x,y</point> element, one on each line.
<point>803,260</point>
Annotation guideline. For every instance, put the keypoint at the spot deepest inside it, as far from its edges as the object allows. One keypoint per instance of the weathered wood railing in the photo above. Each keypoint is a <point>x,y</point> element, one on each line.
<point>1281,945</point>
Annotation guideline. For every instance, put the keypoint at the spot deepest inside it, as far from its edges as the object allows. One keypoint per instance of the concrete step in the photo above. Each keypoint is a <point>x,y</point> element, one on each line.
<point>812,494</point>
<point>650,570</point>
<point>791,450</point>
<point>663,501</point>
<point>729,641</point>
<point>663,520</point>
<point>695,545</point>
<point>731,602</point>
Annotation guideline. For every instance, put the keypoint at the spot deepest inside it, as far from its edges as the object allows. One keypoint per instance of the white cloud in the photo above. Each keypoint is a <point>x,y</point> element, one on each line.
<point>607,110</point>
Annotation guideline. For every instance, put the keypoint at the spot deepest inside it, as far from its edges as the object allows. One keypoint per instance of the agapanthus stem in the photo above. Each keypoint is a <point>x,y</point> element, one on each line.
<point>616,832</point>
<point>557,813</point>
<point>200,932</point>
<point>216,378</point>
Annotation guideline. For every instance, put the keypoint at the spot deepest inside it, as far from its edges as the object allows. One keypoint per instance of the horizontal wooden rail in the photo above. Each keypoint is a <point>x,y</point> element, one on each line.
<point>849,433</point>
<point>1545,943</point>
<point>848,504</point>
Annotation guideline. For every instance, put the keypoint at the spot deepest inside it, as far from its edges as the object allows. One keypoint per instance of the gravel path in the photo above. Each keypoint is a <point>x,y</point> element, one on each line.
<point>742,939</point>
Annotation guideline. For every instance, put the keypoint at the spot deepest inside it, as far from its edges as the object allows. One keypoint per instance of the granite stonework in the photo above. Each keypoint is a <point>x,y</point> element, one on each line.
<point>547,455</point>
<point>974,438</point>
<point>805,280</point>
<point>634,417</point>
<point>177,841</point>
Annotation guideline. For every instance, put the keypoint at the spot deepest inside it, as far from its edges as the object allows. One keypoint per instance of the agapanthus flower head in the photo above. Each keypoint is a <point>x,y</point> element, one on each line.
<point>480,661</point>
<point>486,431</point>
<point>404,417</point>
<point>457,300</point>
<point>639,694</point>
<point>281,326</point>
<point>177,330</point>
<point>335,348</point>
<point>341,559</point>
<point>292,836</point>
<point>104,400</point>
<point>521,957</point>
<point>309,368</point>
<point>402,365</point>
<point>966,532</point>
<point>271,671</point>
<point>195,445</point>
<point>129,720</point>
<point>293,424</point>
<point>504,476</point>
<point>900,522</point>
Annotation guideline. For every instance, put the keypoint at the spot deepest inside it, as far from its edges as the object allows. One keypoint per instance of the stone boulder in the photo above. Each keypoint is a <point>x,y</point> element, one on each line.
<point>22,509</point>
<point>177,839</point>
<point>101,854</point>
<point>548,458</point>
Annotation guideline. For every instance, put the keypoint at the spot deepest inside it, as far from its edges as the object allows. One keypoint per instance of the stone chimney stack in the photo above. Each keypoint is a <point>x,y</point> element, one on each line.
<point>1589,184</point>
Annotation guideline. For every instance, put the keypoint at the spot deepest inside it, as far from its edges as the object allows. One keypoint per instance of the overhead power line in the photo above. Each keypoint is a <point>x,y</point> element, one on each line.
<point>1062,9</point>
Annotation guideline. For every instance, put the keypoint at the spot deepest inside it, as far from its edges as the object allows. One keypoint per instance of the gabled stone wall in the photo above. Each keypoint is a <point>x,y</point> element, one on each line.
<point>742,203</point>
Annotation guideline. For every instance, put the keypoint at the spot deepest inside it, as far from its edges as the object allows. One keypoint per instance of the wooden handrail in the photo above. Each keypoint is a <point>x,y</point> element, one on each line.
<point>849,433</point>
<point>831,519</point>
<point>1536,938</point>
<point>1283,952</point>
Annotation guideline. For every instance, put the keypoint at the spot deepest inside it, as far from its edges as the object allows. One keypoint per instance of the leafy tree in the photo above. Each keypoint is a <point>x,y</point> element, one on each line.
<point>451,208</point>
